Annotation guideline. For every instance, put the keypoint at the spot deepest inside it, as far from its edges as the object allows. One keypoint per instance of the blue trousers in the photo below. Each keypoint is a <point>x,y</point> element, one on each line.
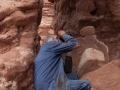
<point>72,76</point>
<point>75,84</point>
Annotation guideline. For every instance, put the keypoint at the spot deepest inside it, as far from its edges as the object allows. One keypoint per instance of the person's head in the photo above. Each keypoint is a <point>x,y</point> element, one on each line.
<point>51,37</point>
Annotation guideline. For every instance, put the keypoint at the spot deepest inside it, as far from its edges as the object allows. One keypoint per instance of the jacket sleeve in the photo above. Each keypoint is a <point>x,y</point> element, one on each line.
<point>63,47</point>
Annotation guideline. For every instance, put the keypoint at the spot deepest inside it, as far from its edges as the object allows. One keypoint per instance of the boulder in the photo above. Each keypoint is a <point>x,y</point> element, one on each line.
<point>91,60</point>
<point>105,78</point>
<point>85,43</point>
<point>88,30</point>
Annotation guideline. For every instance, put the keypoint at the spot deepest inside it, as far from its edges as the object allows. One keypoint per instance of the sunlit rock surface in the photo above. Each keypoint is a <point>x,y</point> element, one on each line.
<point>47,17</point>
<point>19,42</point>
<point>91,59</point>
<point>72,16</point>
<point>106,77</point>
<point>85,43</point>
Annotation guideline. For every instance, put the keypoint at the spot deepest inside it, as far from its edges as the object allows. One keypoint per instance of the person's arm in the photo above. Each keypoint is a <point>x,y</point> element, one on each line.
<point>63,47</point>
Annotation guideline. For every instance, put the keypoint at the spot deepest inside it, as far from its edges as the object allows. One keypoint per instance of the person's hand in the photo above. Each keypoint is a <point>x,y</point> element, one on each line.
<point>60,33</point>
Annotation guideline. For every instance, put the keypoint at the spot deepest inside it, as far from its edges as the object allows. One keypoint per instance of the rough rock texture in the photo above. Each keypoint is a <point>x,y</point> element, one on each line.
<point>88,42</point>
<point>105,78</point>
<point>19,42</point>
<point>104,15</point>
<point>47,17</point>
<point>91,59</point>
<point>87,31</point>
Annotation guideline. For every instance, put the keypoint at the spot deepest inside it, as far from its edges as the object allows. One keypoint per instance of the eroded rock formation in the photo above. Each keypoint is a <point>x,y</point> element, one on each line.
<point>47,17</point>
<point>104,15</point>
<point>19,42</point>
<point>85,43</point>
<point>91,60</point>
<point>105,78</point>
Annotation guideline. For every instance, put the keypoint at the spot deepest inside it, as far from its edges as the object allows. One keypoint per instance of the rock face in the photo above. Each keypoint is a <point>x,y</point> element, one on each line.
<point>105,78</point>
<point>91,59</point>
<point>104,15</point>
<point>47,17</point>
<point>88,42</point>
<point>72,16</point>
<point>19,42</point>
<point>87,31</point>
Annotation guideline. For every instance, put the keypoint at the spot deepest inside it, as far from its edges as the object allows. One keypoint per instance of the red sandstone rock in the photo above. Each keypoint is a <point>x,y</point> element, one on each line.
<point>47,16</point>
<point>88,42</point>
<point>87,6</point>
<point>73,15</point>
<point>52,1</point>
<point>19,43</point>
<point>88,30</point>
<point>91,59</point>
<point>106,77</point>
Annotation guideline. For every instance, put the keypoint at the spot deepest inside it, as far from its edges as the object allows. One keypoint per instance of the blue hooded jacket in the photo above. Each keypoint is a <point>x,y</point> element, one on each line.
<point>48,65</point>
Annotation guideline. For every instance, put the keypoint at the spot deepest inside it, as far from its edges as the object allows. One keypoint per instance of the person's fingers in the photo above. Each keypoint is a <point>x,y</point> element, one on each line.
<point>60,33</point>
